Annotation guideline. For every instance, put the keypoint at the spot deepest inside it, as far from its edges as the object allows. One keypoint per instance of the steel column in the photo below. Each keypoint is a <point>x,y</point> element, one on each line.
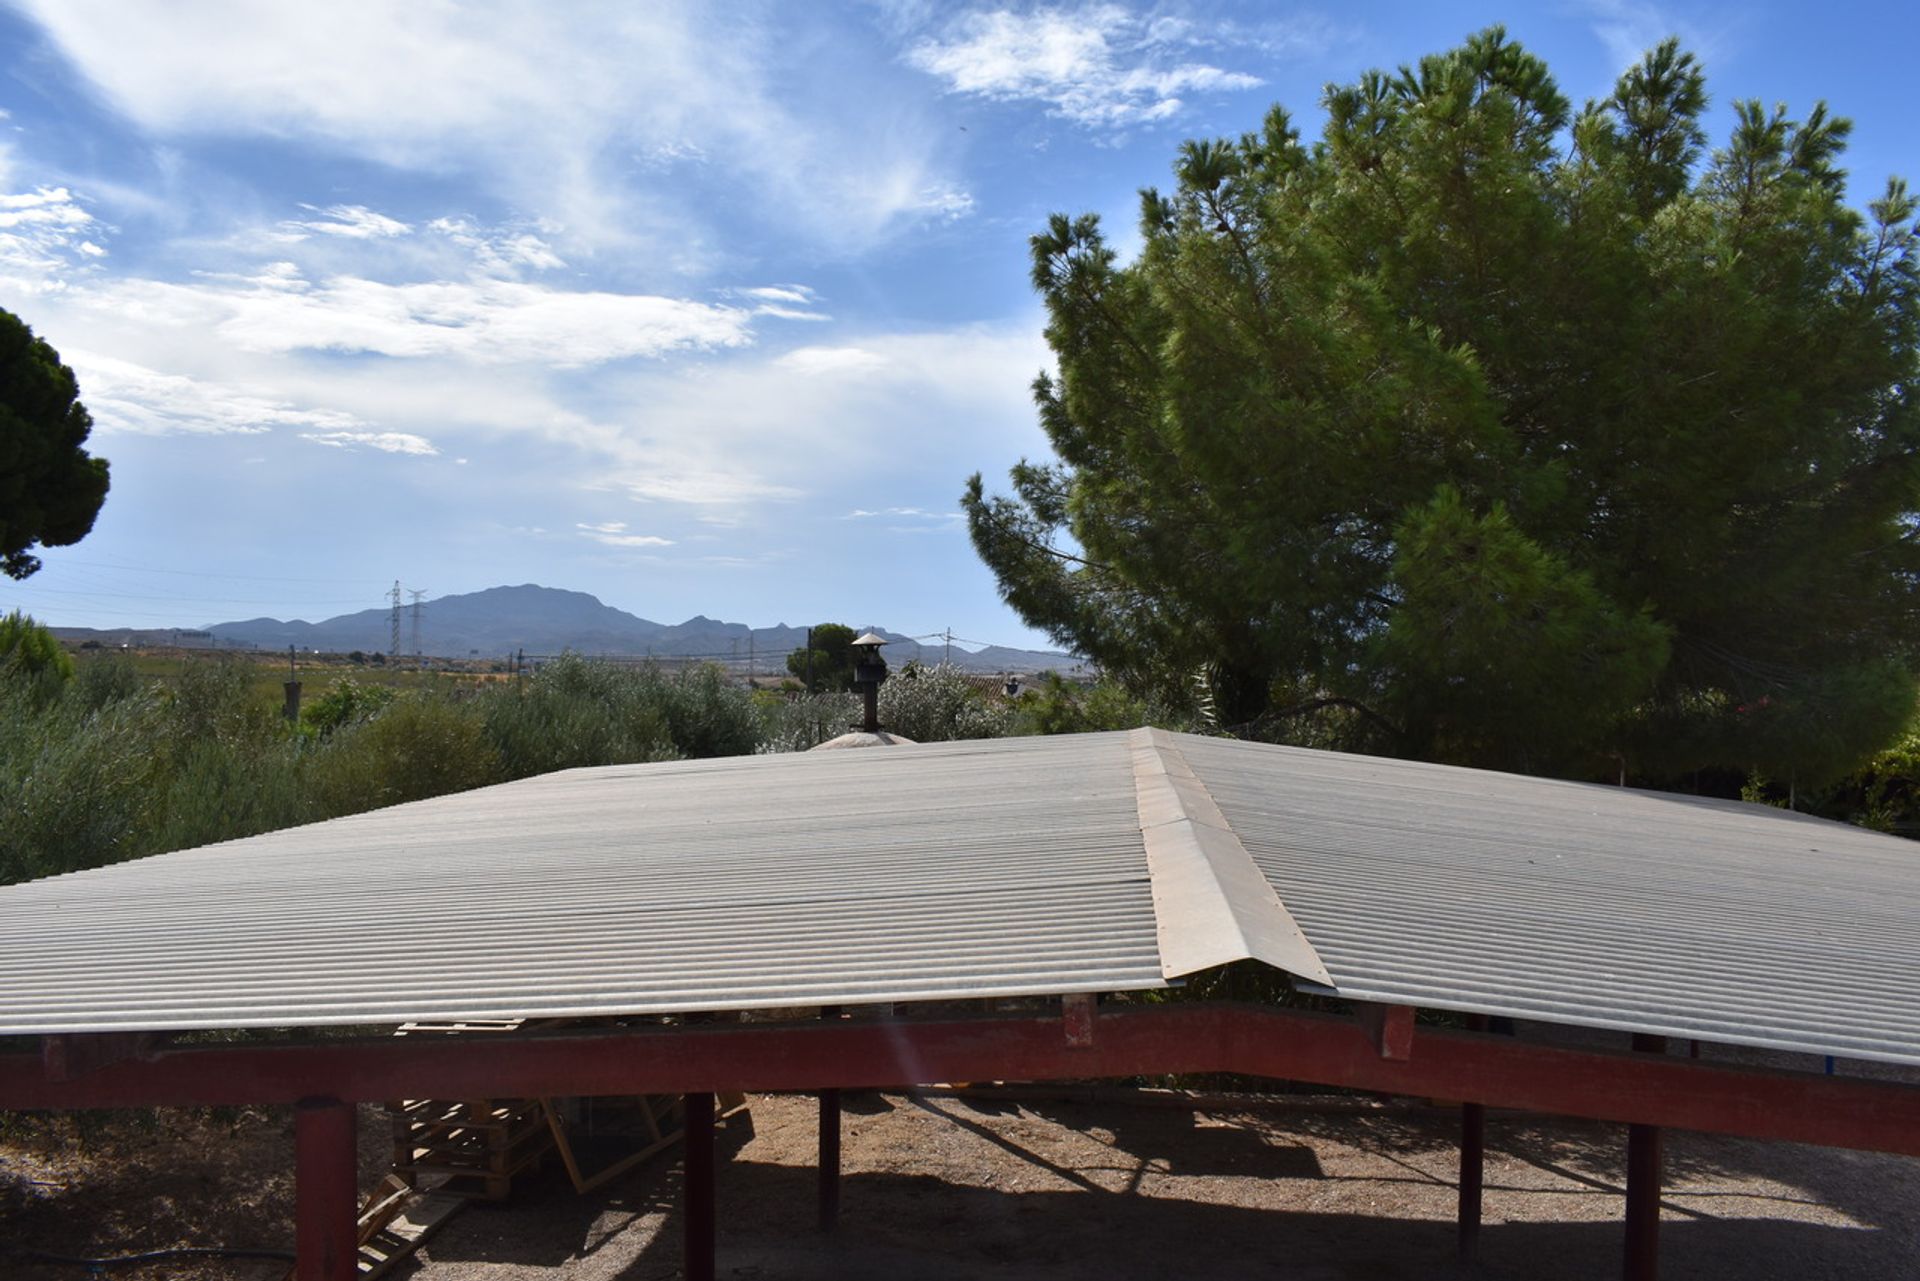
<point>829,1169</point>
<point>1643,1186</point>
<point>699,1188</point>
<point>1473,1150</point>
<point>326,1195</point>
<point>829,1159</point>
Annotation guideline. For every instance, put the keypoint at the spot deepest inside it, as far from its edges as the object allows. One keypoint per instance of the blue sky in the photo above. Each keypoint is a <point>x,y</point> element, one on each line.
<point>703,308</point>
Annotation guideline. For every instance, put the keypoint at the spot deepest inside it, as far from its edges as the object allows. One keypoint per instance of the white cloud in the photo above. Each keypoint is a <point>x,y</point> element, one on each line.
<point>818,361</point>
<point>1099,66</point>
<point>124,396</point>
<point>568,112</point>
<point>1628,28</point>
<point>754,430</point>
<point>499,251</point>
<point>484,321</point>
<point>798,294</point>
<point>390,442</point>
<point>44,236</point>
<point>861,513</point>
<point>614,533</point>
<point>351,222</point>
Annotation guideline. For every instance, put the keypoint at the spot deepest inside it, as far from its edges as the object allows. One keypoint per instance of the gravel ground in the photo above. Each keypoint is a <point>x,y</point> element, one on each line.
<point>940,1187</point>
<point>1056,1185</point>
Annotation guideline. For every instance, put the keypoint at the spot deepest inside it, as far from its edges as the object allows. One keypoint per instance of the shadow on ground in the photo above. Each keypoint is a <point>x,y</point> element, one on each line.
<point>1170,1194</point>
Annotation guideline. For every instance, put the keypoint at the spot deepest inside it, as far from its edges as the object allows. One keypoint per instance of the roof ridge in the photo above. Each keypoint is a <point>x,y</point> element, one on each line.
<point>1211,903</point>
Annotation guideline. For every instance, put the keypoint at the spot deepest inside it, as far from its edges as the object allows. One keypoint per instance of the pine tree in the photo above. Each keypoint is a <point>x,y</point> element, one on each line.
<point>1490,431</point>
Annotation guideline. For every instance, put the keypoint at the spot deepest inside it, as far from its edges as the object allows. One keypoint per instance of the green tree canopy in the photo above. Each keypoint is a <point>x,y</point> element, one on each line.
<point>1491,431</point>
<point>50,488</point>
<point>830,666</point>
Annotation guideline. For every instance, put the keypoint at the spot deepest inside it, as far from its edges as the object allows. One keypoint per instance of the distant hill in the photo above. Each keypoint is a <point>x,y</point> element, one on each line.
<point>549,620</point>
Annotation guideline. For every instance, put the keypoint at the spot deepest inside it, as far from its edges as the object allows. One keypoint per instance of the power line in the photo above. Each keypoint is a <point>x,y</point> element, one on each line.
<point>196,573</point>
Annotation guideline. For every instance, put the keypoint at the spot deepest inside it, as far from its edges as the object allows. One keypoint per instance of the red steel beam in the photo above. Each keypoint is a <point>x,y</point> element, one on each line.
<point>1128,1041</point>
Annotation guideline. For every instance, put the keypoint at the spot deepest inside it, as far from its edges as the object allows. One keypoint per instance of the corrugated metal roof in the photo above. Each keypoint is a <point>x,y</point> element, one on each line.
<point>958,870</point>
<point>1584,904</point>
<point>1011,867</point>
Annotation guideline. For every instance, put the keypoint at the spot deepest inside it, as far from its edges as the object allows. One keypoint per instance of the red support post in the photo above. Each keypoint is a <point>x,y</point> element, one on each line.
<point>1389,1027</point>
<point>326,1195</point>
<point>1643,1186</point>
<point>829,1159</point>
<point>1473,1151</point>
<point>699,1189</point>
<point>829,1171</point>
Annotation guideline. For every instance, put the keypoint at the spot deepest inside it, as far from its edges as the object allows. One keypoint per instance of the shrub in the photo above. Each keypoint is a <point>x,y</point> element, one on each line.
<point>221,790</point>
<point>797,722</point>
<point>1058,706</point>
<point>105,677</point>
<point>346,702</point>
<point>29,654</point>
<point>419,746</point>
<point>573,713</point>
<point>938,703</point>
<point>706,716</point>
<point>74,782</point>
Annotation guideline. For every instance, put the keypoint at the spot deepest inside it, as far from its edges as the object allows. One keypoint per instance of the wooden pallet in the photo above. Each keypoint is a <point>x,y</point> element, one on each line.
<point>395,1220</point>
<point>640,1126</point>
<point>477,1147</point>
<point>419,1217</point>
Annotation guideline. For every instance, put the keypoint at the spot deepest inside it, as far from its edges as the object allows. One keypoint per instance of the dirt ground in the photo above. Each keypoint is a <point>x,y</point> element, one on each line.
<point>942,1186</point>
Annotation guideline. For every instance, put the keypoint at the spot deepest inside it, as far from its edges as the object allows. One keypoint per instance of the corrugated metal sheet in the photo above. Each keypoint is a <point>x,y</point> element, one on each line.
<point>1212,902</point>
<point>1015,867</point>
<point>958,870</point>
<point>1584,904</point>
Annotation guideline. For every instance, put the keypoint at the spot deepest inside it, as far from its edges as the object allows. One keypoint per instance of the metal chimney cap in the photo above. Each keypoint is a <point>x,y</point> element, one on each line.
<point>871,639</point>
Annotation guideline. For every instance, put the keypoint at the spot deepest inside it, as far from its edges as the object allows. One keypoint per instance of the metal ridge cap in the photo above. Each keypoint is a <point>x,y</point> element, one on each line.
<point>1211,903</point>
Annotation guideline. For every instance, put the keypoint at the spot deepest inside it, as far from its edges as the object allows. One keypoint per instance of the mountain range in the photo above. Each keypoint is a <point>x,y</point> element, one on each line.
<point>547,620</point>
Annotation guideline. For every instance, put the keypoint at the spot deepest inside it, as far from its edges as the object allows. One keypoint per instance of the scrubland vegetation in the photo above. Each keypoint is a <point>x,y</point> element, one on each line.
<point>102,762</point>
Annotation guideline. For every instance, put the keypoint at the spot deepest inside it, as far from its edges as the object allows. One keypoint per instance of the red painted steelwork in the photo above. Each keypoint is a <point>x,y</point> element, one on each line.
<point>829,1159</point>
<point>1473,1160</point>
<point>698,1189</point>
<point>1643,1185</point>
<point>1076,1012</point>
<point>1390,1026</point>
<point>69,1056</point>
<point>1129,1041</point>
<point>326,1202</point>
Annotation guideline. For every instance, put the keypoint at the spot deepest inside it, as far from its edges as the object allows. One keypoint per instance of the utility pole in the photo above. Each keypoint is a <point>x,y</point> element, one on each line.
<point>393,597</point>
<point>749,658</point>
<point>946,654</point>
<point>417,593</point>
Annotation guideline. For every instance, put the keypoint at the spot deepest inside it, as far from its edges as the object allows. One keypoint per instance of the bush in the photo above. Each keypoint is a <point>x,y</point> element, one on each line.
<point>939,703</point>
<point>419,746</point>
<point>573,713</point>
<point>105,677</point>
<point>221,790</point>
<point>706,716</point>
<point>1058,706</point>
<point>29,654</point>
<point>74,783</point>
<point>796,722</point>
<point>346,702</point>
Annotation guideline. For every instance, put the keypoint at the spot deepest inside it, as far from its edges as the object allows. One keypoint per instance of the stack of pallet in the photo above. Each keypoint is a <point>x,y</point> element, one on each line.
<point>473,1147</point>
